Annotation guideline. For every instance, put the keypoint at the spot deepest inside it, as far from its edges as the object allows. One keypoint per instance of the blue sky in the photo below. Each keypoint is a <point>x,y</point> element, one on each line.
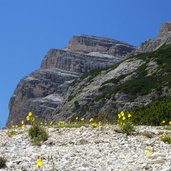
<point>28,28</point>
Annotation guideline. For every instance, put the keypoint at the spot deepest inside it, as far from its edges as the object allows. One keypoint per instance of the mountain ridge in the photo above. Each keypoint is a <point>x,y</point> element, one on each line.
<point>33,91</point>
<point>97,91</point>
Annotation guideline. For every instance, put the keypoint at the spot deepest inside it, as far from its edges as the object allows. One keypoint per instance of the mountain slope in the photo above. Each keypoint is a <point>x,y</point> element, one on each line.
<point>136,81</point>
<point>98,77</point>
<point>43,91</point>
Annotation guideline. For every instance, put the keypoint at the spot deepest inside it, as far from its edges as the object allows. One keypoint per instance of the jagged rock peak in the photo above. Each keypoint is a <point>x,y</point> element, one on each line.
<point>163,37</point>
<point>165,29</point>
<point>89,43</point>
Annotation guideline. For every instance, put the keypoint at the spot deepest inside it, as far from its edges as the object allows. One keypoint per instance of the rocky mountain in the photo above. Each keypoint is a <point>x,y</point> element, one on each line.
<point>97,77</point>
<point>44,91</point>
<point>164,37</point>
<point>140,84</point>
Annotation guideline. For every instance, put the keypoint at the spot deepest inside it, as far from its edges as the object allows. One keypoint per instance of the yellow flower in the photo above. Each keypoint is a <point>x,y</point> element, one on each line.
<point>129,115</point>
<point>30,114</point>
<point>51,123</point>
<point>28,118</point>
<point>61,123</point>
<point>22,122</point>
<point>119,115</point>
<point>164,134</point>
<point>122,113</point>
<point>123,118</point>
<point>39,162</point>
<point>99,123</point>
<point>23,126</point>
<point>121,123</point>
<point>76,118</point>
<point>94,124</point>
<point>91,120</point>
<point>163,121</point>
<point>16,126</point>
<point>41,123</point>
<point>32,119</point>
<point>170,123</point>
<point>13,126</point>
<point>149,151</point>
<point>82,119</point>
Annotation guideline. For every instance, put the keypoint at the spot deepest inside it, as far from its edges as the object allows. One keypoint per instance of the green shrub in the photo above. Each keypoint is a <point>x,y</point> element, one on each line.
<point>11,133</point>
<point>127,128</point>
<point>115,80</point>
<point>143,84</point>
<point>37,134</point>
<point>2,162</point>
<point>152,114</point>
<point>166,138</point>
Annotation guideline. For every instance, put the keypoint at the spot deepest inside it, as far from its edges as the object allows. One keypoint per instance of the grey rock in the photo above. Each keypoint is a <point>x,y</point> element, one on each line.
<point>40,92</point>
<point>87,44</point>
<point>76,62</point>
<point>169,169</point>
<point>164,37</point>
<point>115,151</point>
<point>165,29</point>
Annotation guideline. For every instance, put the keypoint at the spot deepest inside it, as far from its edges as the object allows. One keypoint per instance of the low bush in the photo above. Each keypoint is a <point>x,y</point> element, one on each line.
<point>2,162</point>
<point>153,113</point>
<point>11,133</point>
<point>166,138</point>
<point>127,128</point>
<point>37,134</point>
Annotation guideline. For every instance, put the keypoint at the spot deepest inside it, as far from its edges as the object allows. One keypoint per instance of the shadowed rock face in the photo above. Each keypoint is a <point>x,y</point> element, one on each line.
<point>41,92</point>
<point>44,90</point>
<point>164,37</point>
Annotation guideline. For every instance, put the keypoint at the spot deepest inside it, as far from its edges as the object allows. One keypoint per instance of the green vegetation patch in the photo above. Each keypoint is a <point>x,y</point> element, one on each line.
<point>93,73</point>
<point>143,84</point>
<point>37,134</point>
<point>3,161</point>
<point>140,85</point>
<point>152,114</point>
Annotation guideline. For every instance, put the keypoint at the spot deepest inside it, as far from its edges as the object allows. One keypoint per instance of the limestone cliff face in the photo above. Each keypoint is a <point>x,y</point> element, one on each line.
<point>44,90</point>
<point>164,37</point>
<point>87,44</point>
<point>76,62</point>
<point>41,92</point>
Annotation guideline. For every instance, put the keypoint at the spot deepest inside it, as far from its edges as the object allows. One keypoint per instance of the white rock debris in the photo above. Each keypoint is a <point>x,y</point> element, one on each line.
<point>87,149</point>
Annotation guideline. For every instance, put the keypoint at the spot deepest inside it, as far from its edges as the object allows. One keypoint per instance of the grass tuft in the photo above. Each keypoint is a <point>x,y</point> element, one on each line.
<point>37,134</point>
